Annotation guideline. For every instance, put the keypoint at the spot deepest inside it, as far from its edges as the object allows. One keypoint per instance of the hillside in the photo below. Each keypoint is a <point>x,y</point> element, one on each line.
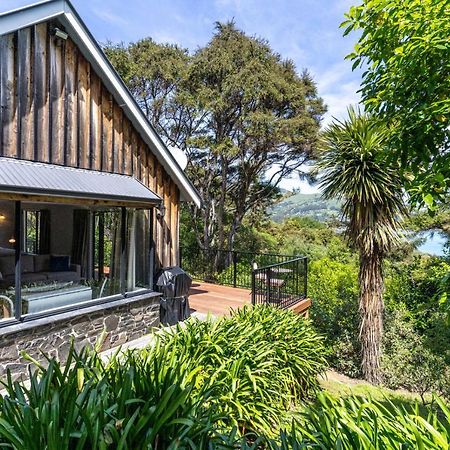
<point>311,205</point>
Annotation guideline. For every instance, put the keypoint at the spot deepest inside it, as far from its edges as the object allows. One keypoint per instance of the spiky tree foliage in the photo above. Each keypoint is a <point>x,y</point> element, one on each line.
<point>358,171</point>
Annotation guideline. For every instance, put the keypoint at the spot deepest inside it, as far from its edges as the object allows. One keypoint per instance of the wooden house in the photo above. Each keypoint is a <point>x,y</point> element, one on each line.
<point>89,193</point>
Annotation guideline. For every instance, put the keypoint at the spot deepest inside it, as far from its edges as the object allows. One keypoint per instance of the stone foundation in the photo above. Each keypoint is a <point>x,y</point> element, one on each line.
<point>123,320</point>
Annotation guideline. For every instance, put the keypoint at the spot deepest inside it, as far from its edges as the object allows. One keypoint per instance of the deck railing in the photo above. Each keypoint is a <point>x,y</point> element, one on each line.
<point>229,268</point>
<point>282,275</point>
<point>282,284</point>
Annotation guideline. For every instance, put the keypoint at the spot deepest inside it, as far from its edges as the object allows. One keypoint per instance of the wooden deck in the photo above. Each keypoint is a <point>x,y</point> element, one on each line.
<point>218,300</point>
<point>207,298</point>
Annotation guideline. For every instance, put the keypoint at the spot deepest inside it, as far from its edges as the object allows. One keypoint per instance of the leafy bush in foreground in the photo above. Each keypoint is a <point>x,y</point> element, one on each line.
<point>257,363</point>
<point>201,387</point>
<point>358,424</point>
<point>242,371</point>
<point>131,403</point>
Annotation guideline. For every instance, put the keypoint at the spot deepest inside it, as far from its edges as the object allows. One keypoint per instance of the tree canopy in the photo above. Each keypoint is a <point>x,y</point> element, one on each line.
<point>404,49</point>
<point>241,112</point>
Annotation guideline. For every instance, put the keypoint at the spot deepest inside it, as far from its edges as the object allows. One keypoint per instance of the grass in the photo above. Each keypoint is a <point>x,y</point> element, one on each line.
<point>340,386</point>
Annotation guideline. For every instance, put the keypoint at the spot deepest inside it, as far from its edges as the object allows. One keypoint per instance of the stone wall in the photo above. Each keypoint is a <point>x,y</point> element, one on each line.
<point>123,320</point>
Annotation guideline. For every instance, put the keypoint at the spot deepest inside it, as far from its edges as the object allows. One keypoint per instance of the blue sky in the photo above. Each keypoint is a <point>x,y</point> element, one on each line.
<point>307,31</point>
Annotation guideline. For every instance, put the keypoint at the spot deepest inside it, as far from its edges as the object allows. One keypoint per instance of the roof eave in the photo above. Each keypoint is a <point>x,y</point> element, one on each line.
<point>27,16</point>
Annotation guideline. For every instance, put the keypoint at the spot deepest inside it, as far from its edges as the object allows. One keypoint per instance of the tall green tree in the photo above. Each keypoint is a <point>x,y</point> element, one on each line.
<point>357,170</point>
<point>243,115</point>
<point>404,49</point>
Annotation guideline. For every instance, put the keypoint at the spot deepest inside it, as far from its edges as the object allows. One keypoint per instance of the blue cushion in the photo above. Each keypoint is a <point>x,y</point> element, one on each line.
<point>59,263</point>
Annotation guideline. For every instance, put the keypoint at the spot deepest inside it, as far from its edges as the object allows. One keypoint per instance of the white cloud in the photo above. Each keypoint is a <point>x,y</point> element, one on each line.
<point>109,17</point>
<point>329,78</point>
<point>302,185</point>
<point>338,101</point>
<point>338,86</point>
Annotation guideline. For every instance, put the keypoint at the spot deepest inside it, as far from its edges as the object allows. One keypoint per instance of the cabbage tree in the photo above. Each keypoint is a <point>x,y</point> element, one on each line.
<point>357,170</point>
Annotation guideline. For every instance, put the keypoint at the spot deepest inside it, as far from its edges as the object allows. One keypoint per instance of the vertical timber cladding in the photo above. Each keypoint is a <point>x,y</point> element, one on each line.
<point>55,108</point>
<point>8,88</point>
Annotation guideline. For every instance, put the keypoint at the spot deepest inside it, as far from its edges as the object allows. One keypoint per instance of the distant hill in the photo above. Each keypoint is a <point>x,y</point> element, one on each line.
<point>311,205</point>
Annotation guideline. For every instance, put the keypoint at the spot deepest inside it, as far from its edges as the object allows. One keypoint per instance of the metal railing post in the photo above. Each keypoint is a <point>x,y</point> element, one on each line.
<point>253,287</point>
<point>202,262</point>
<point>306,277</point>
<point>234,269</point>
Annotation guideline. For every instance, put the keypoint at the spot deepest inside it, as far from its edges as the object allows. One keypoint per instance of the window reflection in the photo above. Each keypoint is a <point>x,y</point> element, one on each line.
<point>138,250</point>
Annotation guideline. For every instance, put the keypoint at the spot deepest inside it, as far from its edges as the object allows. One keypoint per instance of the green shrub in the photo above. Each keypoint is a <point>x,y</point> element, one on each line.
<point>417,335</point>
<point>333,288</point>
<point>256,363</point>
<point>415,284</point>
<point>244,371</point>
<point>354,423</point>
<point>407,362</point>
<point>130,403</point>
<point>195,387</point>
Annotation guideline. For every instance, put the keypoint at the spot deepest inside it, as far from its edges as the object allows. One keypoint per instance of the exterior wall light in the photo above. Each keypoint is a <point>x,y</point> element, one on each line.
<point>60,33</point>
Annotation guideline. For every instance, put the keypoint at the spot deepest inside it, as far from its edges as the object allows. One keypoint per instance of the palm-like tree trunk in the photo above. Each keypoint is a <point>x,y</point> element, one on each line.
<point>371,308</point>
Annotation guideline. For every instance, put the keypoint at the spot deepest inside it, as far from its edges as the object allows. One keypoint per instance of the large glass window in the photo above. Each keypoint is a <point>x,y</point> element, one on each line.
<point>36,231</point>
<point>52,276</point>
<point>71,255</point>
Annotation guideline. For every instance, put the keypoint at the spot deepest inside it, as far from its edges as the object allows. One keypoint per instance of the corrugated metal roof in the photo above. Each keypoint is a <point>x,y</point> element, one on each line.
<point>32,178</point>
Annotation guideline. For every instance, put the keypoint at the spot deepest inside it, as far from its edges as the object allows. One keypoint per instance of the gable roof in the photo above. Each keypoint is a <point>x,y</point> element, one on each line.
<point>63,11</point>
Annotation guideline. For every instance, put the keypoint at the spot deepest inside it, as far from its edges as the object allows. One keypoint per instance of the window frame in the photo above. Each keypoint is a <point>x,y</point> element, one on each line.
<point>19,248</point>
